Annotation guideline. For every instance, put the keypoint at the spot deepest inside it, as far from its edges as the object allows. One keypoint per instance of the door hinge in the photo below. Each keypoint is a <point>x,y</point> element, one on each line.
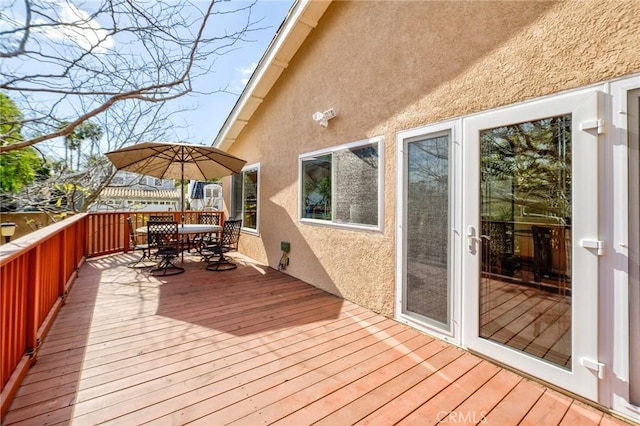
<point>593,124</point>
<point>595,366</point>
<point>594,244</point>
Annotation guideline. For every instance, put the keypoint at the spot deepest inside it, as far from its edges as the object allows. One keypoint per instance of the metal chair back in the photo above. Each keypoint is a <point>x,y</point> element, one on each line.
<point>161,218</point>
<point>230,234</point>
<point>163,235</point>
<point>209,219</point>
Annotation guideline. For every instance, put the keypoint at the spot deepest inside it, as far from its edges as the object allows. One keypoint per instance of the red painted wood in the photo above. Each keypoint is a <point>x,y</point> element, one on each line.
<point>34,285</point>
<point>34,275</point>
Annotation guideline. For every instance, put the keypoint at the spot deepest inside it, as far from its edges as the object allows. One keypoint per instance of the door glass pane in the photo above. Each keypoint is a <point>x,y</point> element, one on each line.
<point>427,229</point>
<point>525,285</point>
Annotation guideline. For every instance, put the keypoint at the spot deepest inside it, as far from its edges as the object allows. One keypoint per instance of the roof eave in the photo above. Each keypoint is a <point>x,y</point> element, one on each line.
<point>302,18</point>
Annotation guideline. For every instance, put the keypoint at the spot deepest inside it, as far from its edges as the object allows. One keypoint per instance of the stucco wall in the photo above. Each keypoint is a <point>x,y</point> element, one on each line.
<point>391,66</point>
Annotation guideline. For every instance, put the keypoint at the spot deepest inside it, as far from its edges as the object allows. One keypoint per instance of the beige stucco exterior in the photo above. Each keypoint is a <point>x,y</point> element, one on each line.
<point>390,66</point>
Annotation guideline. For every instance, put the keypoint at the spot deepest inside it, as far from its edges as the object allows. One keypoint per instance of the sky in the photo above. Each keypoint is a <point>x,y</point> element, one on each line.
<point>199,116</point>
<point>233,71</point>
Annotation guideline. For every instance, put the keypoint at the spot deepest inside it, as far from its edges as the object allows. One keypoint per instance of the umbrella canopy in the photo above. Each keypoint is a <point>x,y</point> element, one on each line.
<point>167,160</point>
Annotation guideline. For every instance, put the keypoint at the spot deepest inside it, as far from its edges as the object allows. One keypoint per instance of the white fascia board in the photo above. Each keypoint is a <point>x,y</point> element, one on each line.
<point>304,13</point>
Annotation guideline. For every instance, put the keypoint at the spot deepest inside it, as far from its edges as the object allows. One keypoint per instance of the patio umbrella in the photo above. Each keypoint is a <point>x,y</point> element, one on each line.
<point>168,160</point>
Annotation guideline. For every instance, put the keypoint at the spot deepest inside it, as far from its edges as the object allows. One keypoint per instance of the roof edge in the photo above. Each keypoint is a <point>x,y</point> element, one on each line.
<point>301,19</point>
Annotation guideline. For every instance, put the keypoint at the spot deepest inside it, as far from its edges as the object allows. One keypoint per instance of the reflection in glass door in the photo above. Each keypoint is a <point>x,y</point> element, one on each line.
<point>427,287</point>
<point>525,209</point>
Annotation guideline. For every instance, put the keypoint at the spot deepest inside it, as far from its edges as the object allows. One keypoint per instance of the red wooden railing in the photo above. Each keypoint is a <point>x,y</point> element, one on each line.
<point>108,232</point>
<point>36,273</point>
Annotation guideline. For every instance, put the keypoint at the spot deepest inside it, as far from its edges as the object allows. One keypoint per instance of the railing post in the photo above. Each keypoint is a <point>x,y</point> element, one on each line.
<point>34,285</point>
<point>64,257</point>
<point>127,240</point>
<point>85,236</point>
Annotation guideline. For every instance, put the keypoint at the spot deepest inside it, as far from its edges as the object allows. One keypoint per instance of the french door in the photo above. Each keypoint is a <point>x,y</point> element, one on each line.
<point>530,219</point>
<point>429,246</point>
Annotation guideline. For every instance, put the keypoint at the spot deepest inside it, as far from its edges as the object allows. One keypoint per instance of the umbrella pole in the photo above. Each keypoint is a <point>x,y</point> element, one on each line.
<point>182,194</point>
<point>182,205</point>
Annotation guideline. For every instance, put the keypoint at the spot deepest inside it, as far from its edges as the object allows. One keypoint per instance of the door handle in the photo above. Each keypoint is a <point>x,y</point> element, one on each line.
<point>471,234</point>
<point>472,239</point>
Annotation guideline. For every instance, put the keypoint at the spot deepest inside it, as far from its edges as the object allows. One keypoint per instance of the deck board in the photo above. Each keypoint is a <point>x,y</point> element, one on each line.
<point>256,346</point>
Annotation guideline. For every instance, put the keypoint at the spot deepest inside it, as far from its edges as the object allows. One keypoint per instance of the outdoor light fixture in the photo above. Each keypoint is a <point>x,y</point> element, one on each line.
<point>7,229</point>
<point>323,117</point>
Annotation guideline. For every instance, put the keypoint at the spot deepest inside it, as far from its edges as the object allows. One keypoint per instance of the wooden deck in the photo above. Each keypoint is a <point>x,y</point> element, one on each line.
<point>254,346</point>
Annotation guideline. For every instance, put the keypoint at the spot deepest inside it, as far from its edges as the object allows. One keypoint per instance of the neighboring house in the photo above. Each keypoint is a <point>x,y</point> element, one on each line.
<point>204,196</point>
<point>479,180</point>
<point>128,199</point>
<point>130,191</point>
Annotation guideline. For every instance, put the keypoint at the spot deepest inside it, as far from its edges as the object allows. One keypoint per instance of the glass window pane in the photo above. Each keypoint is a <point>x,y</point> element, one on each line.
<point>235,212</point>
<point>250,201</point>
<point>316,188</point>
<point>356,185</point>
<point>428,288</point>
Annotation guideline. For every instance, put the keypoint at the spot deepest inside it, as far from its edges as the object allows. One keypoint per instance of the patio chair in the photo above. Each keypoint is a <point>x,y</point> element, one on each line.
<point>202,240</point>
<point>144,261</point>
<point>227,242</point>
<point>209,219</point>
<point>185,242</point>
<point>541,252</point>
<point>164,238</point>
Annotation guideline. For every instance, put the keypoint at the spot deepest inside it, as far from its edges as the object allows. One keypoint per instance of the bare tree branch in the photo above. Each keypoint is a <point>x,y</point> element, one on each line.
<point>70,190</point>
<point>120,51</point>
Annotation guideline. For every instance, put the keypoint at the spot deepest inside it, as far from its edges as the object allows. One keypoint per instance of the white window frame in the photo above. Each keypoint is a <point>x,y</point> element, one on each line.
<point>249,168</point>
<point>379,227</point>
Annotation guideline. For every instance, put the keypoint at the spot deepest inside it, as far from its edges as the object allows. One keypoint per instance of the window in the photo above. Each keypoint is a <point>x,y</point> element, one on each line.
<point>343,185</point>
<point>245,197</point>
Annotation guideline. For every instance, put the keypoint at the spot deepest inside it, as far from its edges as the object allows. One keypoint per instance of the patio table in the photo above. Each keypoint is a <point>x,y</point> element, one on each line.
<point>189,229</point>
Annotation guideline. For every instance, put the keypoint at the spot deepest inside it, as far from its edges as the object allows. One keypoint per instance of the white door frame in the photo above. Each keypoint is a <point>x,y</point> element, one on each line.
<point>615,345</point>
<point>583,105</point>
